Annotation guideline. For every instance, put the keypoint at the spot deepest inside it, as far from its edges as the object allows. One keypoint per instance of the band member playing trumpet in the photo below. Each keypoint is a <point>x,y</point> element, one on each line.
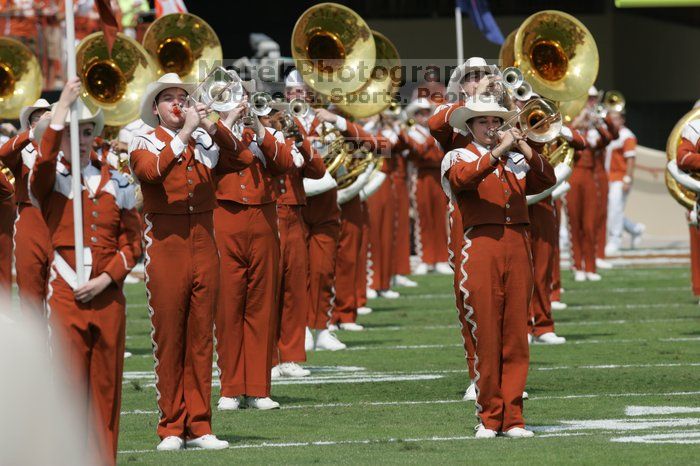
<point>88,319</point>
<point>174,163</point>
<point>248,237</point>
<point>489,180</point>
<point>31,235</point>
<point>688,159</point>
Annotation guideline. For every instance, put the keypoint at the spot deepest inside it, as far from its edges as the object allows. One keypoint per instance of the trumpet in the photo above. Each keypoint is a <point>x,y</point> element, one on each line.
<point>523,92</point>
<point>299,108</point>
<point>539,121</point>
<point>260,104</point>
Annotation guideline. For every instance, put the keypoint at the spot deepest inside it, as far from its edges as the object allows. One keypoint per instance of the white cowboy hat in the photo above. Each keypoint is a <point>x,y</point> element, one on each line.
<point>166,81</point>
<point>454,87</point>
<point>418,104</point>
<point>481,106</point>
<point>26,112</point>
<point>592,91</point>
<point>86,116</point>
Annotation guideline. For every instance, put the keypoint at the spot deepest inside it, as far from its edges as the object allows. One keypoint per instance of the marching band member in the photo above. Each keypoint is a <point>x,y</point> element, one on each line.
<point>174,164</point>
<point>430,230</point>
<point>322,218</point>
<point>247,233</point>
<point>489,180</point>
<point>31,236</point>
<point>349,268</point>
<point>294,267</point>
<point>582,200</point>
<point>620,163</point>
<point>688,159</point>
<point>90,318</point>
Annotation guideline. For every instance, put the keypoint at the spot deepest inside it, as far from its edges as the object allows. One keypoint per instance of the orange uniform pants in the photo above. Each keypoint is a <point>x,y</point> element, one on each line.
<point>182,283</point>
<point>294,289</point>
<point>402,239</point>
<point>556,258</point>
<point>348,265</point>
<point>601,222</point>
<point>496,284</point>
<point>695,258</point>
<point>581,203</point>
<point>361,284</point>
<point>247,316</point>
<point>92,338</point>
<point>7,219</point>
<point>543,233</point>
<point>455,245</point>
<point>32,252</point>
<point>431,204</point>
<point>322,217</point>
<point>382,219</point>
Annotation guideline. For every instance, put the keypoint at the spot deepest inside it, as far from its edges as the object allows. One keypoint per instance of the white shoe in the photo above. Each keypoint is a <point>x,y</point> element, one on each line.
<point>229,404</point>
<point>292,369</point>
<point>559,306</point>
<point>603,264</point>
<point>518,432</point>
<point>483,432</point>
<point>275,372</point>
<point>352,327</point>
<point>549,338</point>
<point>325,340</point>
<point>127,354</point>
<point>470,393</point>
<point>170,443</point>
<point>611,250</point>
<point>579,276</point>
<point>593,277</point>
<point>371,294</point>
<point>332,328</point>
<point>207,442</point>
<point>526,395</point>
<point>262,404</point>
<point>402,280</point>
<point>443,268</point>
<point>529,338</point>
<point>309,340</point>
<point>364,310</point>
<point>389,294</point>
<point>637,237</point>
<point>421,269</point>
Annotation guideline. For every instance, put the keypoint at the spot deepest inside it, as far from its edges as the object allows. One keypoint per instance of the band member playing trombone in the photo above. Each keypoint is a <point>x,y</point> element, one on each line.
<point>31,236</point>
<point>174,163</point>
<point>489,180</point>
<point>89,319</point>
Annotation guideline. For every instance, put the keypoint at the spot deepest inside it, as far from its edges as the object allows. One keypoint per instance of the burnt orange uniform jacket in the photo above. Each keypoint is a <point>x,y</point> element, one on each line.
<point>31,237</point>
<point>92,333</point>
<point>7,217</point>
<point>495,272</point>
<point>249,244</point>
<point>182,266</point>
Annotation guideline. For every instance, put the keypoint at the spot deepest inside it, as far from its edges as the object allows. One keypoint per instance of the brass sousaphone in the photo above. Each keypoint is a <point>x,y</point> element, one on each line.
<point>20,77</point>
<point>333,49</point>
<point>684,196</point>
<point>185,44</point>
<point>115,83</point>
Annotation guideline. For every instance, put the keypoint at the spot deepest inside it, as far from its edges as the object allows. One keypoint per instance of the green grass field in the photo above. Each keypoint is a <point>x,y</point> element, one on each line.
<point>395,396</point>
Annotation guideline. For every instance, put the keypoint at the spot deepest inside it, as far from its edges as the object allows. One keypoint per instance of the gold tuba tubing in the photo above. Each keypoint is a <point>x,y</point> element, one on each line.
<point>681,194</point>
<point>20,77</point>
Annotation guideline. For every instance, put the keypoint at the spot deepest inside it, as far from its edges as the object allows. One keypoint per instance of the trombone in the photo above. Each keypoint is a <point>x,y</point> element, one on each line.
<point>539,121</point>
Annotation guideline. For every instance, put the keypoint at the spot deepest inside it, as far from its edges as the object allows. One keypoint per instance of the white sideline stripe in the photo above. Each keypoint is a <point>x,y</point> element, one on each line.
<point>359,378</point>
<point>685,437</point>
<point>453,401</point>
<point>624,424</point>
<point>654,410</point>
<point>329,443</point>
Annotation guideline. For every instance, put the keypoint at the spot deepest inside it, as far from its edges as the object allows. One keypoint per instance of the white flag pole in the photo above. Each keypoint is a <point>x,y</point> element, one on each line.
<point>77,186</point>
<point>458,30</point>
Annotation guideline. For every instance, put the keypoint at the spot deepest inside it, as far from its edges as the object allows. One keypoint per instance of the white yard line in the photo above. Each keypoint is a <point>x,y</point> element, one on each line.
<point>659,410</point>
